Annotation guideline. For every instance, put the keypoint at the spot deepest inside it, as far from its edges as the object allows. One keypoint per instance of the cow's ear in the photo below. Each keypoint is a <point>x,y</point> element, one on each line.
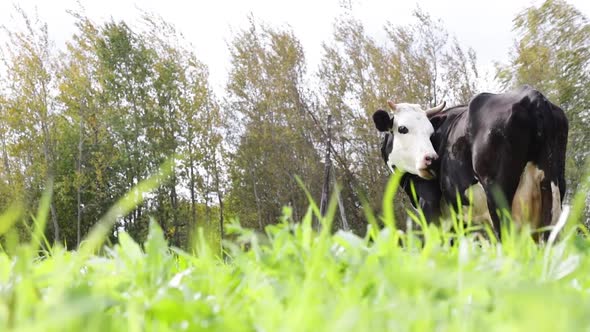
<point>382,120</point>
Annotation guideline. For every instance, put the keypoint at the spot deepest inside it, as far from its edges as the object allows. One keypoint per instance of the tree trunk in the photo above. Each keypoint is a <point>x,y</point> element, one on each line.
<point>50,175</point>
<point>174,205</point>
<point>257,200</point>
<point>327,167</point>
<point>351,178</point>
<point>207,205</point>
<point>6,162</point>
<point>219,196</point>
<point>343,219</point>
<point>193,222</point>
<point>79,185</point>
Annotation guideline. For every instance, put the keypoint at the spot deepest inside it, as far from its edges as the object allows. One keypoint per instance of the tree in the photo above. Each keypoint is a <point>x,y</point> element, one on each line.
<point>350,84</point>
<point>185,123</point>
<point>125,74</point>
<point>431,69</point>
<point>30,105</point>
<point>273,143</point>
<point>79,97</point>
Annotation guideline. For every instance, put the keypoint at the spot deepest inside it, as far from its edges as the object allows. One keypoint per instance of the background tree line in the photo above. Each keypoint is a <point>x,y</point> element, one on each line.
<point>106,111</point>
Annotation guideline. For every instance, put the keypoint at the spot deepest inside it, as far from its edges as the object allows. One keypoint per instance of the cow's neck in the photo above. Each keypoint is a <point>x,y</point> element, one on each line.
<point>428,190</point>
<point>405,182</point>
<point>427,195</point>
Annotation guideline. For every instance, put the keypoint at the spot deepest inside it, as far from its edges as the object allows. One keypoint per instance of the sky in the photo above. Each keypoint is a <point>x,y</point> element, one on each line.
<point>210,24</point>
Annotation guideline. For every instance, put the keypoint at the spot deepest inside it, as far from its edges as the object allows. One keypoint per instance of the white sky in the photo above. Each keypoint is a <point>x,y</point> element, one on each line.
<point>208,25</point>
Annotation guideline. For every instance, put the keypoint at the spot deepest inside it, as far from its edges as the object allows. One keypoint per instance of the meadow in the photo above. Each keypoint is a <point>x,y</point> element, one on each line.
<point>115,242</point>
<point>296,278</point>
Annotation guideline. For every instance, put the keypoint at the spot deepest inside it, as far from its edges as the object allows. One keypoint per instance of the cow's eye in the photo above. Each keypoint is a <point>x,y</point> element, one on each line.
<point>402,130</point>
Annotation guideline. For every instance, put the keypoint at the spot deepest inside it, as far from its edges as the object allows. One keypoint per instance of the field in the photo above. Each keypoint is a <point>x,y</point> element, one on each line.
<point>294,278</point>
<point>263,109</point>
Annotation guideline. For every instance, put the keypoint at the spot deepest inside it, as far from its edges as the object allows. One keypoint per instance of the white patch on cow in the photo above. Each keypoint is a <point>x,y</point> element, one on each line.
<point>555,204</point>
<point>479,206</point>
<point>527,203</point>
<point>409,149</point>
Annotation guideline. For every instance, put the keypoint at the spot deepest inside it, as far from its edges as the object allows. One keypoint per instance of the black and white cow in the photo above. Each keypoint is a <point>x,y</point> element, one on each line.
<point>508,148</point>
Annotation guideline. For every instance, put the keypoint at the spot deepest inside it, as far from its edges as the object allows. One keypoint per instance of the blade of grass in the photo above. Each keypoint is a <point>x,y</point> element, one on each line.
<point>40,220</point>
<point>390,192</point>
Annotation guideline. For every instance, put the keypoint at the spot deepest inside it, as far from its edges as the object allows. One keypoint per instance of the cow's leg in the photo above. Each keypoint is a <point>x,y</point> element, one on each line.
<point>552,161</point>
<point>499,192</point>
<point>531,196</point>
<point>493,214</point>
<point>551,196</point>
<point>428,197</point>
<point>550,207</point>
<point>431,211</point>
<point>499,155</point>
<point>499,173</point>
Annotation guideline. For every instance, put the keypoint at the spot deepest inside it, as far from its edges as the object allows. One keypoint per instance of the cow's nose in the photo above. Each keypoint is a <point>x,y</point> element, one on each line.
<point>429,158</point>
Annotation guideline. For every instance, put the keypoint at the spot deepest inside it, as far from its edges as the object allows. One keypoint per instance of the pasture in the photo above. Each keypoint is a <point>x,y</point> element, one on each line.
<point>155,180</point>
<point>294,278</point>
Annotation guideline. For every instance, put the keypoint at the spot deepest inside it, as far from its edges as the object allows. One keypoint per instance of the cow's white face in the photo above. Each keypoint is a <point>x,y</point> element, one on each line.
<point>407,145</point>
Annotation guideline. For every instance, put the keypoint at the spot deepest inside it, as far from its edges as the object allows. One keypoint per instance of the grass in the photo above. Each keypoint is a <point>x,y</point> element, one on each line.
<point>294,278</point>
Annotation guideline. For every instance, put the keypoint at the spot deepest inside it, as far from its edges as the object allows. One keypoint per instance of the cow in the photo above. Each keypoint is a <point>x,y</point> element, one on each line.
<point>507,149</point>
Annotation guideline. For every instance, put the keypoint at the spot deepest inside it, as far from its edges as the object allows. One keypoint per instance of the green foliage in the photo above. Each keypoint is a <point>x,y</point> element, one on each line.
<point>102,116</point>
<point>29,111</point>
<point>272,133</point>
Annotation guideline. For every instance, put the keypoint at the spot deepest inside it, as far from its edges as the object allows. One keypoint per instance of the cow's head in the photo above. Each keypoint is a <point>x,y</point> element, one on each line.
<point>407,144</point>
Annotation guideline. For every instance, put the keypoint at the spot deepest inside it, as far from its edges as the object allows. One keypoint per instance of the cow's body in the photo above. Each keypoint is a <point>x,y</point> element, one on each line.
<point>512,144</point>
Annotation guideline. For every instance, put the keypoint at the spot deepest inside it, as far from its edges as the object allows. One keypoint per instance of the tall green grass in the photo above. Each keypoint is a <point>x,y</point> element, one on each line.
<point>295,278</point>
